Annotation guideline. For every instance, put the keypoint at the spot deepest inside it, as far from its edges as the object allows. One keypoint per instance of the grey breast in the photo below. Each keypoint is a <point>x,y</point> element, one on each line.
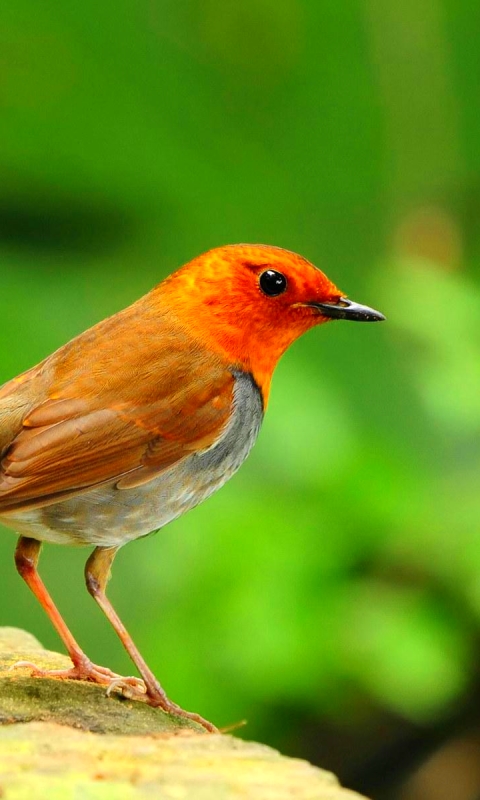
<point>109,516</point>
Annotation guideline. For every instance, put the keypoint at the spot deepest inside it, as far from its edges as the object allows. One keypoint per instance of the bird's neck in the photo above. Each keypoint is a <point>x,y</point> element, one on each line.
<point>241,340</point>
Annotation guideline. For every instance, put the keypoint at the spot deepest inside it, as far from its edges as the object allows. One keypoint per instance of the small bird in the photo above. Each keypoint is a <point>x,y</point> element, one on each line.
<point>143,416</point>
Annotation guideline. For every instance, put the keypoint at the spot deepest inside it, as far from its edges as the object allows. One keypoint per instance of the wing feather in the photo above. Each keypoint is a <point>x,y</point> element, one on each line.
<point>112,432</point>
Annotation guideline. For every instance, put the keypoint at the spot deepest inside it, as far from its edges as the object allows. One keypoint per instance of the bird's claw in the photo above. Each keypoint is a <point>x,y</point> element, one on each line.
<point>158,699</point>
<point>130,686</point>
<point>25,665</point>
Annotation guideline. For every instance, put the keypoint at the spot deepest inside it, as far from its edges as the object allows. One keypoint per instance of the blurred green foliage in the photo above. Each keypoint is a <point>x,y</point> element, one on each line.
<point>339,572</point>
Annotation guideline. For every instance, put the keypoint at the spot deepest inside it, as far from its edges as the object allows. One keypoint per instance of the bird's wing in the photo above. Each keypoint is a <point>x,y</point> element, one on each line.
<point>68,444</point>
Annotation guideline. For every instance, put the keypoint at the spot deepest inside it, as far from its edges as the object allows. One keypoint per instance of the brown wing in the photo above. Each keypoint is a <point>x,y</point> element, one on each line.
<point>124,426</point>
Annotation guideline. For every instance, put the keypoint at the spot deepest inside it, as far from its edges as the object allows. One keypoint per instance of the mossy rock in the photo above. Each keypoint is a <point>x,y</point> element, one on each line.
<point>67,740</point>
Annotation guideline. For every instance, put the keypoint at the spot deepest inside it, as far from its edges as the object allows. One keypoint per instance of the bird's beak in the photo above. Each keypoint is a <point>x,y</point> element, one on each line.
<point>347,309</point>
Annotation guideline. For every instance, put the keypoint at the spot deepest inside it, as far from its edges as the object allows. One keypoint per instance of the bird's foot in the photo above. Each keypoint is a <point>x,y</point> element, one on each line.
<point>131,687</point>
<point>85,670</point>
<point>157,698</point>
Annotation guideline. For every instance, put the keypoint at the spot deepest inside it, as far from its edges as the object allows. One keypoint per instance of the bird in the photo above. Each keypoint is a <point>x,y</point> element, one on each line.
<point>146,414</point>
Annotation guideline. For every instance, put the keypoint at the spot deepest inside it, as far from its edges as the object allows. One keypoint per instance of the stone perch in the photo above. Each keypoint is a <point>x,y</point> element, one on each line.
<point>66,739</point>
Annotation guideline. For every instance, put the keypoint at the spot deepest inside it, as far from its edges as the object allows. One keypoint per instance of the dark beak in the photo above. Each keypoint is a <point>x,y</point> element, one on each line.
<point>347,309</point>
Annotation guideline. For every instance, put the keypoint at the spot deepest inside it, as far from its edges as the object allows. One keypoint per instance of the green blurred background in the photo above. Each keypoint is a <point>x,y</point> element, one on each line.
<point>330,593</point>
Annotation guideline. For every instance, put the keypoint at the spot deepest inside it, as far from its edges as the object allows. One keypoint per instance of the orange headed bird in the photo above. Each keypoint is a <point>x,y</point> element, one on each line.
<point>146,414</point>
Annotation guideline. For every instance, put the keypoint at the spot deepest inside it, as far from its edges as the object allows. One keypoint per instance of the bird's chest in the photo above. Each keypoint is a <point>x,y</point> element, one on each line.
<point>109,516</point>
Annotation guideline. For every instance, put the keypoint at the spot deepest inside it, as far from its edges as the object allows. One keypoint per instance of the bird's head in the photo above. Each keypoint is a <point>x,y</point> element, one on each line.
<point>250,302</point>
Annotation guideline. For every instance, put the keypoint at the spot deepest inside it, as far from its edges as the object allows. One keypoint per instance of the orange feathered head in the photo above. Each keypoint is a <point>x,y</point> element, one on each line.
<point>250,302</point>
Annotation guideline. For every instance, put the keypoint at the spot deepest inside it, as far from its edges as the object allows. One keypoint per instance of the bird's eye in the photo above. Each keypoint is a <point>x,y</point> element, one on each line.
<point>272,283</point>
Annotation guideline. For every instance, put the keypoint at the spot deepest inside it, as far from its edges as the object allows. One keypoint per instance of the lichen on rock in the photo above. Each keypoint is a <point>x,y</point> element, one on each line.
<point>66,739</point>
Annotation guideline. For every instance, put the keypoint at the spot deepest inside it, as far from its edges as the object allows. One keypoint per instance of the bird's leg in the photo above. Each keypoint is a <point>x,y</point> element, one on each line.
<point>97,574</point>
<point>27,554</point>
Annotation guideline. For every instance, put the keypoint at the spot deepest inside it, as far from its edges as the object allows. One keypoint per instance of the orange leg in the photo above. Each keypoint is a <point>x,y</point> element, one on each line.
<point>26,560</point>
<point>97,574</point>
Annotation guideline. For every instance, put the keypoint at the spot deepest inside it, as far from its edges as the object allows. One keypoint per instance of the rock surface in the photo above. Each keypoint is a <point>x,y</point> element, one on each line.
<point>66,739</point>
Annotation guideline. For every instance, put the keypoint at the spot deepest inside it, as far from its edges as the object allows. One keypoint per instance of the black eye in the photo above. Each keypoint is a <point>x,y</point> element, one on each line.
<point>272,283</point>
